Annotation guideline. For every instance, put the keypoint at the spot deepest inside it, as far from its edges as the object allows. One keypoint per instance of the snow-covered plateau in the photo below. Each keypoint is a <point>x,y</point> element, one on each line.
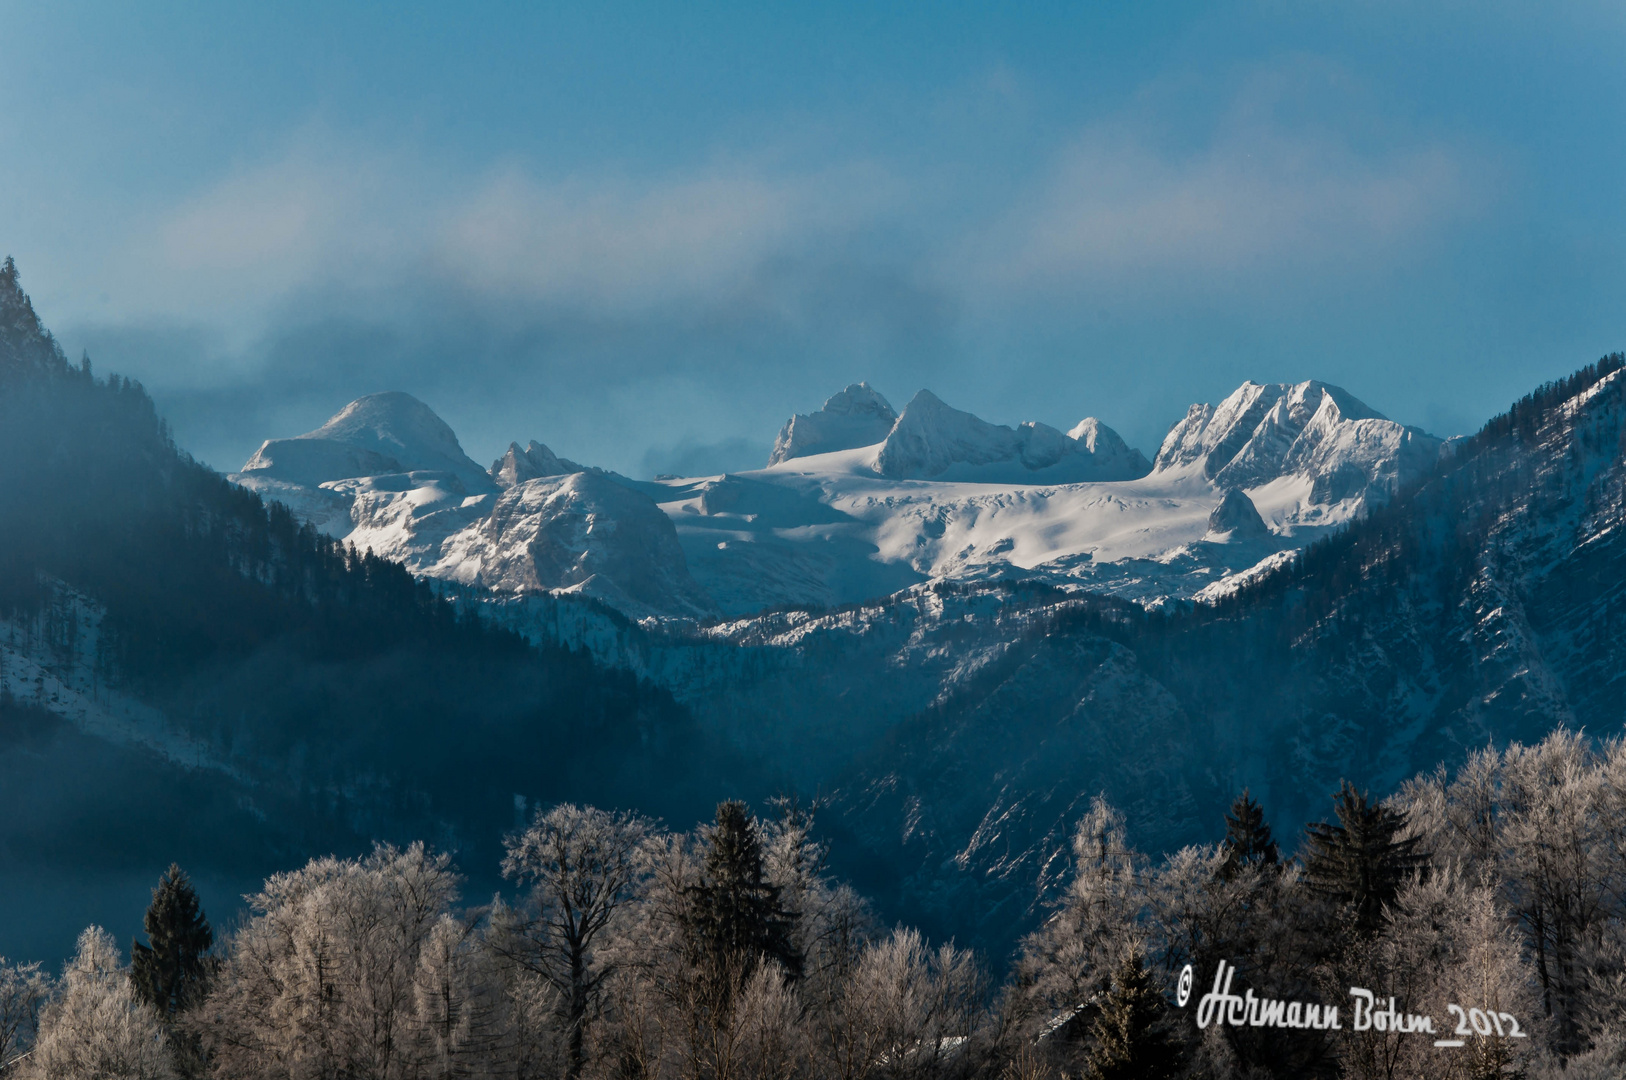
<point>857,501</point>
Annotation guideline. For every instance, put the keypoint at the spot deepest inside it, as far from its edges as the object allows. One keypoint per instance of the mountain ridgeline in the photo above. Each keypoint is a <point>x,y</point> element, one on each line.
<point>1484,604</point>
<point>960,633</point>
<point>189,672</point>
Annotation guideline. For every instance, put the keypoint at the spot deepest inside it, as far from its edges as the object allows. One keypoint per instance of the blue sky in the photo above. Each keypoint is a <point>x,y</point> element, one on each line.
<point>645,234</point>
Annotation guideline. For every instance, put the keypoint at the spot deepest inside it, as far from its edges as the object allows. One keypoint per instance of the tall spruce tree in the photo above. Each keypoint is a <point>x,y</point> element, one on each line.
<point>1363,860</point>
<point>1130,1039</point>
<point>171,972</point>
<point>1247,838</point>
<point>737,918</point>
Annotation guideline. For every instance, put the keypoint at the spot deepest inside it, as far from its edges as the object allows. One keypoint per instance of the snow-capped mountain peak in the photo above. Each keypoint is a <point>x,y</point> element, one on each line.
<point>931,440</point>
<point>1265,432</point>
<point>534,460</point>
<point>857,416</point>
<point>1109,449</point>
<point>373,435</point>
<point>934,492</point>
<point>389,476</point>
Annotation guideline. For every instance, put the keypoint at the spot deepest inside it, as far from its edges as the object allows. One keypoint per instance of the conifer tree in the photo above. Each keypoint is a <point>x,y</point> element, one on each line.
<point>1247,838</point>
<point>1129,1039</point>
<point>737,916</point>
<point>1362,861</point>
<point>171,972</point>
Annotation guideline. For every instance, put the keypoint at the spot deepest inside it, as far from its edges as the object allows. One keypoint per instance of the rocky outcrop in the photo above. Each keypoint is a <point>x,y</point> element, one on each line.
<point>858,416</point>
<point>581,532</point>
<point>933,441</point>
<point>1236,518</point>
<point>534,460</point>
<point>1265,432</point>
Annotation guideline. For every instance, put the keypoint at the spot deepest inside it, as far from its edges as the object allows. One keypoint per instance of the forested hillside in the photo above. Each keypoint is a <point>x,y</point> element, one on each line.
<point>1481,606</point>
<point>276,694</point>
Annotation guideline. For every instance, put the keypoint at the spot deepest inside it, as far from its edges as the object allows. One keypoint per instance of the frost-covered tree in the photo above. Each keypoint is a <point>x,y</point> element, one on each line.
<point>1260,920</point>
<point>1068,961</point>
<point>24,989</point>
<point>907,1011</point>
<point>96,1029</point>
<point>829,922</point>
<point>1446,941</point>
<point>1546,824</point>
<point>1557,870</point>
<point>348,967</point>
<point>581,866</point>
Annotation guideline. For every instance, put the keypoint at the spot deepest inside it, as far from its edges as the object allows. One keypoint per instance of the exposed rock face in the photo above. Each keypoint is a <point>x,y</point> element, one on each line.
<point>580,532</point>
<point>1474,609</point>
<point>519,465</point>
<point>935,492</point>
<point>1236,518</point>
<point>974,718</point>
<point>388,475</point>
<point>1483,605</point>
<point>1263,433</point>
<point>933,441</point>
<point>858,416</point>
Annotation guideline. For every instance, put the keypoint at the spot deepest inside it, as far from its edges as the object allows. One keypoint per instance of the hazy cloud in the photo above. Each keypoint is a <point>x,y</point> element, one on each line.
<point>643,321</point>
<point>1261,196</point>
<point>690,457</point>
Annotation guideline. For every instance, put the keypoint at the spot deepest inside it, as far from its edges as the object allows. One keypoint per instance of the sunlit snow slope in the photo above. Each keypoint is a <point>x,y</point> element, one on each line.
<point>857,502</point>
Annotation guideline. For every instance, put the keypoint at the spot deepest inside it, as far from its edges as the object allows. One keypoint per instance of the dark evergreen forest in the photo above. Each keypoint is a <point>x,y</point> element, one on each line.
<point>347,700</point>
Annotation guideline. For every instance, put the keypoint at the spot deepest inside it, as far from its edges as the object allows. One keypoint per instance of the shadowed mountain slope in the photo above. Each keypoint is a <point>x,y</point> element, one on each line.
<point>290,693</point>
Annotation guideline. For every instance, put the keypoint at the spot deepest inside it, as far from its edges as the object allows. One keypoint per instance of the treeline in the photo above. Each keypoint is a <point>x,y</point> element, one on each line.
<point>729,953</point>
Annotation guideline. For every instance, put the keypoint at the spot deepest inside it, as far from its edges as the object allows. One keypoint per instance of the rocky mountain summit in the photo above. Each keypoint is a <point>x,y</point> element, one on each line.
<point>1266,433</point>
<point>932,441</point>
<point>579,532</point>
<point>858,502</point>
<point>858,416</point>
<point>389,476</point>
<point>535,460</point>
<point>968,722</point>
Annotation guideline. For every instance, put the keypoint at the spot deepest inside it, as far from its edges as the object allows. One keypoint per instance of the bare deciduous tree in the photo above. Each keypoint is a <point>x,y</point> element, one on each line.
<point>327,977</point>
<point>1097,921</point>
<point>24,989</point>
<point>582,865</point>
<point>96,1029</point>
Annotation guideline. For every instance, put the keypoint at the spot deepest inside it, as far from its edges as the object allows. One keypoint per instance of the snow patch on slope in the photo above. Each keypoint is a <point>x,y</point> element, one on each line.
<point>55,669</point>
